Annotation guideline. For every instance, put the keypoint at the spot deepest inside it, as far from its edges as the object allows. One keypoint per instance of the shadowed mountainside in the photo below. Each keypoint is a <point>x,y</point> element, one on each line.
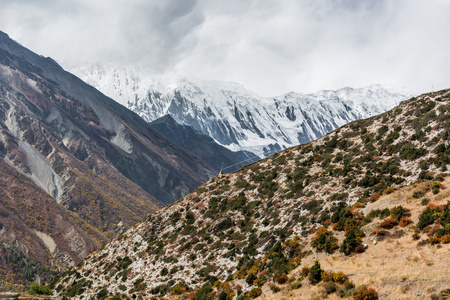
<point>203,146</point>
<point>101,166</point>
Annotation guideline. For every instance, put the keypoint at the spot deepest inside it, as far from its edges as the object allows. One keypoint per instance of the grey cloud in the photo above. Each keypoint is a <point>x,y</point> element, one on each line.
<point>269,46</point>
<point>135,31</point>
<point>162,32</point>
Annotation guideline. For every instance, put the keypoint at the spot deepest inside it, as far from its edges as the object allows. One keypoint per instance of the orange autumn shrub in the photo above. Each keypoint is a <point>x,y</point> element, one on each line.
<point>389,223</point>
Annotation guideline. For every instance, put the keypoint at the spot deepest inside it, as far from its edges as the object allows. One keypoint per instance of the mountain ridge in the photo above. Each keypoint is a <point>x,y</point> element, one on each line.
<point>246,234</point>
<point>109,120</point>
<point>235,117</point>
<point>82,167</point>
<point>203,146</point>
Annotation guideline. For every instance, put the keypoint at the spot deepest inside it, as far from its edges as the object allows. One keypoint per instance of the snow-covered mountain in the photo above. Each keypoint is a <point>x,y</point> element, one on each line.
<point>235,117</point>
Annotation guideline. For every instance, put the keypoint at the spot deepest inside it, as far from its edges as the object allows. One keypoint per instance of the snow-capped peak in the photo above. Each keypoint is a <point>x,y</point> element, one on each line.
<point>234,116</point>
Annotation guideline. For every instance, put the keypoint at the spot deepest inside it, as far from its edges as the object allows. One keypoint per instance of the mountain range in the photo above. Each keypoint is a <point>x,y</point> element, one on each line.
<point>233,116</point>
<point>363,212</point>
<point>77,166</point>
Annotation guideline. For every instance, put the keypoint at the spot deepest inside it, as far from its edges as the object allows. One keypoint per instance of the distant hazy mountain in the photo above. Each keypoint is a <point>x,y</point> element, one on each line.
<point>233,116</point>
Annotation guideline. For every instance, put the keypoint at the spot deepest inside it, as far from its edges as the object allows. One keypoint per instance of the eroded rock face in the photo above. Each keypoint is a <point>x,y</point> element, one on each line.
<point>36,232</point>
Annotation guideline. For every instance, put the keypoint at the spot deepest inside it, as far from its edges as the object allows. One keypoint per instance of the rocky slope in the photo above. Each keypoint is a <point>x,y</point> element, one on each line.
<point>216,156</point>
<point>94,128</point>
<point>233,116</point>
<point>38,237</point>
<point>98,161</point>
<point>244,234</point>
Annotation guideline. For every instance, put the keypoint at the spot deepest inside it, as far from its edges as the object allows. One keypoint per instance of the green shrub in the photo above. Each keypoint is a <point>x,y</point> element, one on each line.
<point>177,290</point>
<point>425,175</point>
<point>324,240</point>
<point>313,206</point>
<point>123,263</point>
<point>77,287</point>
<point>224,296</point>
<point>122,287</point>
<point>274,288</point>
<point>190,218</point>
<point>315,273</point>
<point>282,279</point>
<point>343,292</point>
<point>418,194</point>
<point>204,293</point>
<point>384,213</point>
<point>399,212</point>
<point>296,285</point>
<point>409,151</point>
<point>381,131</point>
<point>444,294</point>
<point>338,196</point>
<point>256,292</point>
<point>175,217</point>
<point>37,289</point>
<point>164,271</point>
<point>330,287</point>
<point>427,217</point>
<point>351,242</point>
<point>250,278</point>
<point>102,294</point>
<point>160,289</point>
<point>392,136</point>
<point>435,187</point>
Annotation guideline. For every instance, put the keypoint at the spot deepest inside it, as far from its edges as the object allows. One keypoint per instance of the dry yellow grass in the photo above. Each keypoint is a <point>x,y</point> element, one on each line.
<point>396,267</point>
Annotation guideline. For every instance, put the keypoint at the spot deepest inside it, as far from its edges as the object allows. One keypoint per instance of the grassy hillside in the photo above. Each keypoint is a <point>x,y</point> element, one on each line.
<point>402,262</point>
<point>354,201</point>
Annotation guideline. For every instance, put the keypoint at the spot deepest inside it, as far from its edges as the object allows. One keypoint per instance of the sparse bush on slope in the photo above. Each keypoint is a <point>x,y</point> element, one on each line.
<point>255,225</point>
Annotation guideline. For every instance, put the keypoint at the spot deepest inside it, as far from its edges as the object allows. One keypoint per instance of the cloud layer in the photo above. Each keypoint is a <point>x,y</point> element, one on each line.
<point>271,47</point>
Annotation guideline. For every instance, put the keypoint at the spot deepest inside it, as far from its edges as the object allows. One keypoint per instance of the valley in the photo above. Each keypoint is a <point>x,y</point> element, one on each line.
<point>212,150</point>
<point>99,168</point>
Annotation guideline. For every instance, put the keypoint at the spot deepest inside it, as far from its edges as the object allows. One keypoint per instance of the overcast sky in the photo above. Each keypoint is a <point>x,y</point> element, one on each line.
<point>270,46</point>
